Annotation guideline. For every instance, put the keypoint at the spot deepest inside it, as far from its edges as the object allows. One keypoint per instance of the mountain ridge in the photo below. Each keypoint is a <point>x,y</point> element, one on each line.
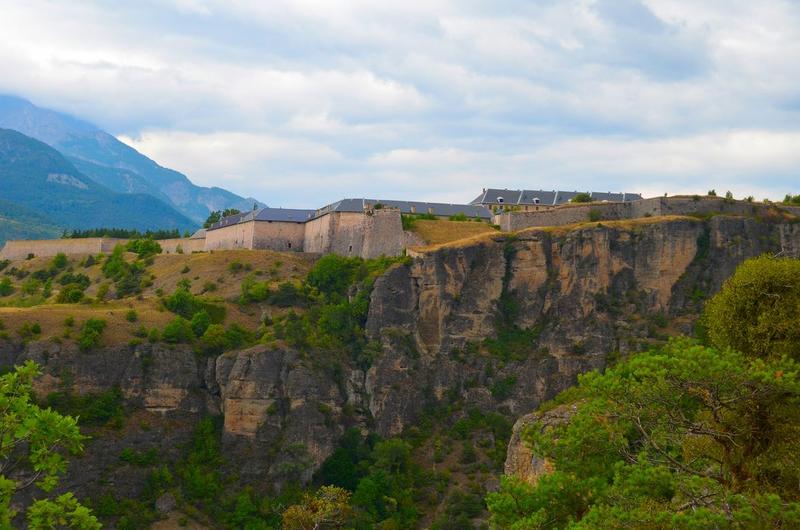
<point>37,177</point>
<point>112,163</point>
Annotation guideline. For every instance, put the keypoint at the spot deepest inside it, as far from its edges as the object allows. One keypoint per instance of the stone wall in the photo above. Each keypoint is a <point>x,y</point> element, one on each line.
<point>383,234</point>
<point>187,245</point>
<point>50,247</point>
<point>276,235</point>
<point>612,211</point>
<point>369,234</point>
<point>230,237</point>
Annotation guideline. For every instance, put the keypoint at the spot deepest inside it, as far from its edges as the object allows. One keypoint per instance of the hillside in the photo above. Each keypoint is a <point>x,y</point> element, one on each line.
<point>18,222</point>
<point>40,179</point>
<point>232,382</point>
<point>115,165</point>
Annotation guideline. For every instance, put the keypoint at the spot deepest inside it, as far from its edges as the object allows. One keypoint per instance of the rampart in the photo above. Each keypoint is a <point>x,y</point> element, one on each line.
<point>368,234</point>
<point>612,211</point>
<point>183,244</point>
<point>20,249</point>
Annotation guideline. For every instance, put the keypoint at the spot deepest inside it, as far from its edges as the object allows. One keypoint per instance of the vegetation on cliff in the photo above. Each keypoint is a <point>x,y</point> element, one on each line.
<point>684,436</point>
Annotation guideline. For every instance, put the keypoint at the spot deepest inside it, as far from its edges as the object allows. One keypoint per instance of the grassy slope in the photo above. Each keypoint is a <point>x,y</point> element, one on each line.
<point>440,231</point>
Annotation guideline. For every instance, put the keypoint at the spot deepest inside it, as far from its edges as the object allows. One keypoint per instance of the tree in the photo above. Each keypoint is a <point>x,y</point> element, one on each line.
<point>328,508</point>
<point>581,197</point>
<point>32,455</point>
<point>216,216</point>
<point>757,311</point>
<point>683,437</point>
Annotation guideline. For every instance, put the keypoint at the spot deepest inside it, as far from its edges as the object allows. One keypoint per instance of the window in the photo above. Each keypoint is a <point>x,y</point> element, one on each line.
<point>289,243</point>
<point>350,249</point>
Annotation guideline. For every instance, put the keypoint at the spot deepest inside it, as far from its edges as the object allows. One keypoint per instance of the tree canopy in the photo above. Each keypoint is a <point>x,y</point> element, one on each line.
<point>33,445</point>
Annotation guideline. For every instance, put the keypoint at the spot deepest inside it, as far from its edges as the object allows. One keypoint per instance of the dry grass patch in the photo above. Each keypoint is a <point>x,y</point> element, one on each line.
<point>210,267</point>
<point>623,224</point>
<point>440,232</point>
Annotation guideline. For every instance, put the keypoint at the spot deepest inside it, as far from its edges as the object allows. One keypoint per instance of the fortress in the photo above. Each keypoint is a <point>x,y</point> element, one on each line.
<point>370,228</point>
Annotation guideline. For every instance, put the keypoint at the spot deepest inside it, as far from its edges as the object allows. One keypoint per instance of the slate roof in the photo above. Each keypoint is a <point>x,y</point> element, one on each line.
<point>552,198</point>
<point>265,214</point>
<point>440,209</point>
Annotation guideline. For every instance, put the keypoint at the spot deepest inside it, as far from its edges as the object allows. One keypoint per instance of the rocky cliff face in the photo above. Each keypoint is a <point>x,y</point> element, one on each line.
<point>568,298</point>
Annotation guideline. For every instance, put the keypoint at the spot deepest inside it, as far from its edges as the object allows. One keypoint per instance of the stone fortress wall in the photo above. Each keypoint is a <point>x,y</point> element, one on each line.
<point>376,232</point>
<point>615,211</point>
<point>20,249</point>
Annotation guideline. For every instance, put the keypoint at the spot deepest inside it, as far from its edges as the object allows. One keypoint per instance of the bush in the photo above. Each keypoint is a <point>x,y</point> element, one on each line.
<point>80,278</point>
<point>200,322</point>
<point>144,247</point>
<point>29,330</point>
<point>213,342</point>
<point>287,295</point>
<point>185,304</point>
<point>31,286</point>
<point>90,334</point>
<point>6,288</point>
<point>179,330</point>
<point>460,216</point>
<point>581,198</point>
<point>595,215</point>
<point>70,294</point>
<point>131,315</point>
<point>758,309</point>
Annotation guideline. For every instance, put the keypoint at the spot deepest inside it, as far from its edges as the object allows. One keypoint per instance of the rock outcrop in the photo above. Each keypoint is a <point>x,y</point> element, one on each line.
<point>568,298</point>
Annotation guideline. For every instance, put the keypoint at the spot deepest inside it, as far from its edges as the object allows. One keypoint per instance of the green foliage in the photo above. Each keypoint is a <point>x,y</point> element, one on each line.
<point>185,304</point>
<point>124,233</point>
<point>90,334</point>
<point>460,216</point>
<point>33,446</point>
<point>80,279</point>
<point>200,322</point>
<point>791,200</point>
<point>131,315</point>
<point>70,294</point>
<point>139,458</point>
<point>581,198</point>
<point>682,437</point>
<point>287,295</point>
<point>595,215</point>
<point>6,288</point>
<point>100,409</point>
<point>127,276</point>
<point>144,247</point>
<point>178,330</point>
<point>757,311</point>
<point>503,388</point>
<point>327,508</point>
<point>712,193</point>
<point>29,330</point>
<point>59,261</point>
<point>215,216</point>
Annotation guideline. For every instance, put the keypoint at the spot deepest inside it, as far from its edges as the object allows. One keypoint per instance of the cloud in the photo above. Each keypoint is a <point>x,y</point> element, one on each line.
<point>426,99</point>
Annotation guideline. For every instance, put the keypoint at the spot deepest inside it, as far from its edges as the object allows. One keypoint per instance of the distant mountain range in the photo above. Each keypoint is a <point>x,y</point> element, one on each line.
<point>114,165</point>
<point>42,192</point>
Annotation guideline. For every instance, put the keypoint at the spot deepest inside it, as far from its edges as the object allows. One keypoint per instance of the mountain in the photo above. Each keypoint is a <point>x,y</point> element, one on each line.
<point>115,165</point>
<point>19,222</point>
<point>37,177</point>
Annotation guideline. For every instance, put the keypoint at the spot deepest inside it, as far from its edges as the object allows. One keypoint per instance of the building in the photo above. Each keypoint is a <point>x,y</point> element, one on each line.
<point>350,227</point>
<point>535,200</point>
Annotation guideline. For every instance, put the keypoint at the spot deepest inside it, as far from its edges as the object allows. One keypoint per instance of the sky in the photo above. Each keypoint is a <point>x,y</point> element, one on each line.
<point>299,103</point>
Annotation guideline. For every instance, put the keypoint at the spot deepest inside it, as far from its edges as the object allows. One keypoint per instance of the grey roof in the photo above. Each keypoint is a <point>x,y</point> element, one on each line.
<point>440,209</point>
<point>512,197</point>
<point>282,214</point>
<point>265,214</point>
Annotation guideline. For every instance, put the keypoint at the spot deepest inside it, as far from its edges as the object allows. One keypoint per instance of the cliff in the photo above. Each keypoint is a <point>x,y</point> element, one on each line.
<point>499,323</point>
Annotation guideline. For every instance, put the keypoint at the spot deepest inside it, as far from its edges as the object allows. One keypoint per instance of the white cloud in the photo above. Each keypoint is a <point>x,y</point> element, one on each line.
<point>426,98</point>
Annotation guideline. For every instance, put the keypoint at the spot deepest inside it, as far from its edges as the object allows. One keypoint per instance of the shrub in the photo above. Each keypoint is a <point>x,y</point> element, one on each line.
<point>29,330</point>
<point>131,315</point>
<point>213,341</point>
<point>185,269</point>
<point>287,295</point>
<point>581,198</point>
<point>31,286</point>
<point>460,216</point>
<point>595,215</point>
<point>90,334</point>
<point>144,247</point>
<point>69,321</point>
<point>200,322</point>
<point>153,335</point>
<point>80,278</point>
<point>793,200</point>
<point>59,261</point>
<point>70,294</point>
<point>235,266</point>
<point>6,288</point>
<point>177,331</point>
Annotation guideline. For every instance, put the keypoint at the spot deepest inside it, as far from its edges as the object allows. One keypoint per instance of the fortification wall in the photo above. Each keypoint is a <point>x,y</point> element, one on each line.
<point>369,234</point>
<point>230,237</point>
<point>277,235</point>
<point>187,245</point>
<point>20,249</point>
<point>612,211</point>
<point>383,234</point>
